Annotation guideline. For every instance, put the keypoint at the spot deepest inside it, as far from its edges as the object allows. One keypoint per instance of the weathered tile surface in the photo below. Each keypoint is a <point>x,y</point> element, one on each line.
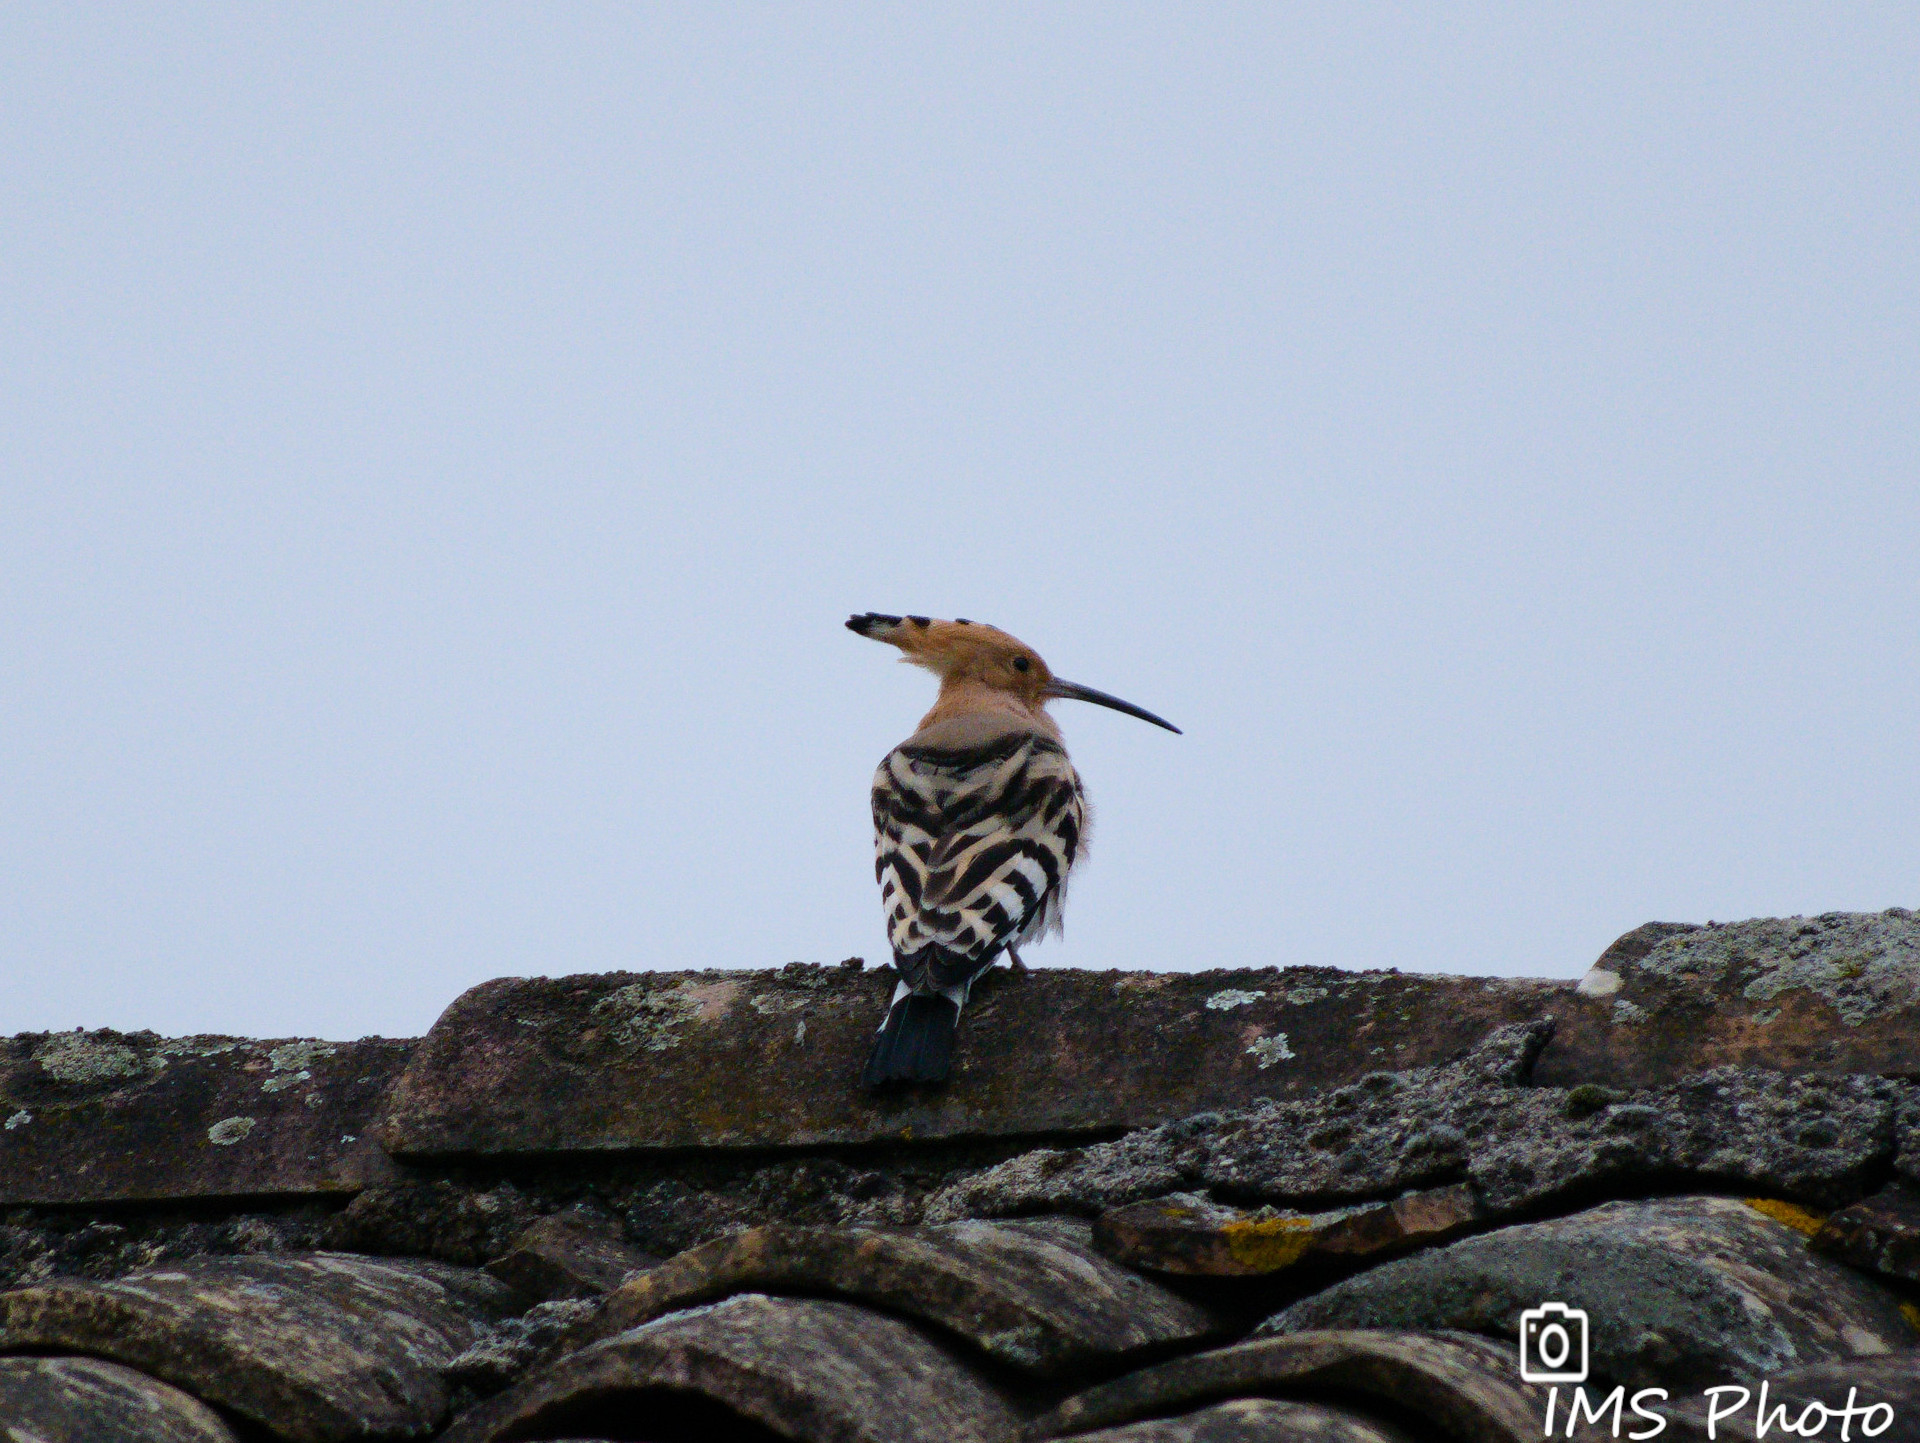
<point>654,1060</point>
<point>432,1217</point>
<point>1034,1295</point>
<point>1255,1420</point>
<point>1821,1139</point>
<point>1187,1233</point>
<point>88,1400</point>
<point>1881,1233</point>
<point>127,1117</point>
<point>1467,1387</point>
<point>317,1348</point>
<point>42,1243</point>
<point>1834,993</point>
<point>1059,1050</point>
<point>638,1061</point>
<point>566,1255</point>
<point>1679,1292</point>
<point>814,1370</point>
<point>512,1347</point>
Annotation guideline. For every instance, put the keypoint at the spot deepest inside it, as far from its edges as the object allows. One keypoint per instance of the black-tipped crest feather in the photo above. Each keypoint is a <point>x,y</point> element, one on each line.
<point>866,623</point>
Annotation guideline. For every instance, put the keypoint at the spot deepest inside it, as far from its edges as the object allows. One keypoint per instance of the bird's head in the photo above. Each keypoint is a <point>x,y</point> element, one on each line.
<point>969,653</point>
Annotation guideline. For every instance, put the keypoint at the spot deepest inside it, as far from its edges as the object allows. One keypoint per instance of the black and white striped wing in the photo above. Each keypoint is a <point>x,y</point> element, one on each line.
<point>972,849</point>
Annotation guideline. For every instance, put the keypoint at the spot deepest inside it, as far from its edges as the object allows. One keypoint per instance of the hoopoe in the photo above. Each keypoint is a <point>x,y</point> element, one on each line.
<point>978,817</point>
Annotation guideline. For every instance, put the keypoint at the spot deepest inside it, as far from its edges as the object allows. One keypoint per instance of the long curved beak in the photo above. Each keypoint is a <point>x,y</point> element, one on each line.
<point>1073,691</point>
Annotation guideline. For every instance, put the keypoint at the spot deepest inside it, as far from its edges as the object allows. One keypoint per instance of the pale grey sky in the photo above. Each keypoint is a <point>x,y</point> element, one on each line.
<point>441,446</point>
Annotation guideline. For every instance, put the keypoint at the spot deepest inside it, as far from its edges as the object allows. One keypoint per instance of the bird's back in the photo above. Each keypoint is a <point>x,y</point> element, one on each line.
<point>976,825</point>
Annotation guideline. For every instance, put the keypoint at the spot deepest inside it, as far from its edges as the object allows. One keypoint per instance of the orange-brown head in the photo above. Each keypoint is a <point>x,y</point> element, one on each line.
<point>982,668</point>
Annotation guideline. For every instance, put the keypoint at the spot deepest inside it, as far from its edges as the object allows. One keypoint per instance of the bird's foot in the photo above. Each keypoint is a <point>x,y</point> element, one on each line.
<point>1013,961</point>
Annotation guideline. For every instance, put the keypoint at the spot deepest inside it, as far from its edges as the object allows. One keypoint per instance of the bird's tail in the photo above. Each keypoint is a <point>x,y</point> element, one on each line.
<point>915,1043</point>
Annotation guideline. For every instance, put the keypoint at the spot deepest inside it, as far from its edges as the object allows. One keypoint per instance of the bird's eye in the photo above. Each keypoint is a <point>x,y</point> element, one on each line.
<point>1020,663</point>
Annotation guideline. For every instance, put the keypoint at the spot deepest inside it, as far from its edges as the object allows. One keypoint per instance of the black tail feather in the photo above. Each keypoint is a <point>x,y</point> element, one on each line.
<point>916,1042</point>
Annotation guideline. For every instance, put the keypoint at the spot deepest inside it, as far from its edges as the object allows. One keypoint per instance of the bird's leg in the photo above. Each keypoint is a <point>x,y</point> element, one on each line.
<point>1015,962</point>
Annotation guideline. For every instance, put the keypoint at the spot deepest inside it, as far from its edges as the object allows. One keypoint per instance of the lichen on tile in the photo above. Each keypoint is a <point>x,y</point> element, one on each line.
<point>229,1130</point>
<point>647,1016</point>
<point>76,1057</point>
<point>1229,998</point>
<point>1269,1050</point>
<point>299,1055</point>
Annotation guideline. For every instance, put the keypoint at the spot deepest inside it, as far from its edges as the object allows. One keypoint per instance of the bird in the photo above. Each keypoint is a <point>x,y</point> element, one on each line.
<point>978,818</point>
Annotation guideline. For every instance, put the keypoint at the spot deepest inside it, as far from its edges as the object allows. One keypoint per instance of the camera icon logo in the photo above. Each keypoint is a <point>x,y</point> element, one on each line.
<point>1553,1344</point>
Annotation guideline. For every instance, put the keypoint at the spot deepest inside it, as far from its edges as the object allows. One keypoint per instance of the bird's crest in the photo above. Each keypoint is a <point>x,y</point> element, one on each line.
<point>976,662</point>
<point>962,651</point>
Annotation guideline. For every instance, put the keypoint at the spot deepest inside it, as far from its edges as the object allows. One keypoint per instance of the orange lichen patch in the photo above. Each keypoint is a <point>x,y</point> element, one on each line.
<point>1800,1219</point>
<point>1911,1312</point>
<point>1268,1244</point>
